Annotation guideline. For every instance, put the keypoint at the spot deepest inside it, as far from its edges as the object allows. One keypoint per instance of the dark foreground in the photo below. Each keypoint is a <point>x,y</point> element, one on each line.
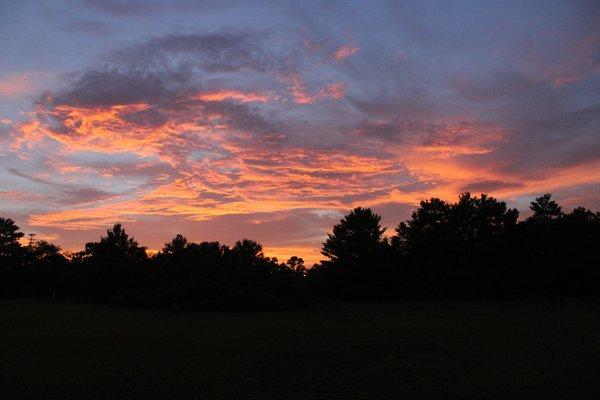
<point>542,349</point>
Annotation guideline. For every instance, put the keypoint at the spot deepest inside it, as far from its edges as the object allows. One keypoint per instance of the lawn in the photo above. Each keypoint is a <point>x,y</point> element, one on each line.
<point>529,349</point>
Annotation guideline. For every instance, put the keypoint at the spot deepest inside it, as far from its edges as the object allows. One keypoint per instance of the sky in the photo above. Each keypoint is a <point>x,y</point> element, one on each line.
<point>271,120</point>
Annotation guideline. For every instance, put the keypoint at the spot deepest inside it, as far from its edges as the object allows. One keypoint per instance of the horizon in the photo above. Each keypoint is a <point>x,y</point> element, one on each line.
<point>315,257</point>
<point>271,121</point>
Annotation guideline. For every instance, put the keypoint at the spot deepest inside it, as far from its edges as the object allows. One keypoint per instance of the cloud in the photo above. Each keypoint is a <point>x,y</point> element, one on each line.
<point>212,52</point>
<point>111,87</point>
<point>146,8</point>
<point>273,132</point>
<point>125,8</point>
<point>490,186</point>
<point>67,194</point>
<point>244,97</point>
<point>495,86</point>
<point>301,93</point>
<point>344,52</point>
<point>19,84</point>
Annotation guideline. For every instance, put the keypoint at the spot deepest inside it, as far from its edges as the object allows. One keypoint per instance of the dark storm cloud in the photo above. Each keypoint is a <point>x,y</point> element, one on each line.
<point>152,117</point>
<point>165,73</point>
<point>384,130</point>
<point>126,7</point>
<point>156,69</point>
<point>243,117</point>
<point>212,52</point>
<point>141,8</point>
<point>114,87</point>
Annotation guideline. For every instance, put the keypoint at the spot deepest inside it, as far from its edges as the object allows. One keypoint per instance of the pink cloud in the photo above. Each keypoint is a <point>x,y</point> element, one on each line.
<point>335,90</point>
<point>23,83</point>
<point>301,93</point>
<point>344,52</point>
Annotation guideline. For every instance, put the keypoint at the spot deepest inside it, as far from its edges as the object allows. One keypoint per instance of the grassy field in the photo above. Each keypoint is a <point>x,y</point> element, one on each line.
<point>530,349</point>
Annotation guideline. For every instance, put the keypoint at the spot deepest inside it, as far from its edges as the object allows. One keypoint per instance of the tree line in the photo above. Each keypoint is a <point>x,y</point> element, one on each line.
<point>473,248</point>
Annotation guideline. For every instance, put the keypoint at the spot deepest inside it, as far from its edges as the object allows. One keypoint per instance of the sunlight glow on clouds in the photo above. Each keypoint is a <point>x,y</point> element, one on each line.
<point>254,132</point>
<point>344,52</point>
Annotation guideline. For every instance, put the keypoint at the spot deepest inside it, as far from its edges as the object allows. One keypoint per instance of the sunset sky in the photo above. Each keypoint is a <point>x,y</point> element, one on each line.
<point>265,120</point>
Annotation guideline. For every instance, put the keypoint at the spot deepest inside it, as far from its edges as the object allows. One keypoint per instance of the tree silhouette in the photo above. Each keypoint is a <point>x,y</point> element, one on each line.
<point>9,238</point>
<point>296,265</point>
<point>11,257</point>
<point>356,240</point>
<point>175,246</point>
<point>474,247</point>
<point>113,264</point>
<point>426,232</point>
<point>453,249</point>
<point>119,243</point>
<point>479,220</point>
<point>556,253</point>
<point>356,258</point>
<point>248,250</point>
<point>545,209</point>
<point>50,275</point>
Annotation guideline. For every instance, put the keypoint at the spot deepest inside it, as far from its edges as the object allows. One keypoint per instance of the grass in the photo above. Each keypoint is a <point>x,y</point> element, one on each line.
<point>530,349</point>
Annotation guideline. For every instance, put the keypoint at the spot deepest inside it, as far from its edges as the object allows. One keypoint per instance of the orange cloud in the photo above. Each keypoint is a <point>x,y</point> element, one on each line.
<point>232,95</point>
<point>300,91</point>
<point>225,160</point>
<point>301,95</point>
<point>254,177</point>
<point>292,179</point>
<point>257,179</point>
